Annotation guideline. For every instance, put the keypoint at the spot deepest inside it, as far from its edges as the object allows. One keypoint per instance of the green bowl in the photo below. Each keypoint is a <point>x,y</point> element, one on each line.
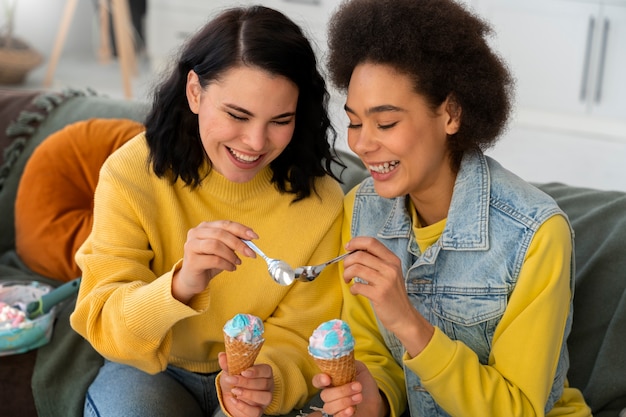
<point>29,334</point>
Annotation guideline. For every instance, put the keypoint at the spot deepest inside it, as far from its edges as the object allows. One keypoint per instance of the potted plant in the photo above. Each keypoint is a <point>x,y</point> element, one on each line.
<point>17,58</point>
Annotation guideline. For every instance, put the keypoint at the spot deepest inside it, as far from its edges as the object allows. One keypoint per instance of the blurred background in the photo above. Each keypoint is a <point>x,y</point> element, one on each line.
<point>568,58</point>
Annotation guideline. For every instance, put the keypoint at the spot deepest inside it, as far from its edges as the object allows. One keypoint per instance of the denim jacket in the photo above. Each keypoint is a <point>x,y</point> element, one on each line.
<point>462,283</point>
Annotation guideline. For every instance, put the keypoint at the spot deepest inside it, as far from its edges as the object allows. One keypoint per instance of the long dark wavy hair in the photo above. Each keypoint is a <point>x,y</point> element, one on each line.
<point>257,37</point>
<point>442,47</point>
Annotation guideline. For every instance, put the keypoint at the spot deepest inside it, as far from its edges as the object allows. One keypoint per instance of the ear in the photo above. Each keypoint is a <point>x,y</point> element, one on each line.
<point>193,89</point>
<point>454,111</point>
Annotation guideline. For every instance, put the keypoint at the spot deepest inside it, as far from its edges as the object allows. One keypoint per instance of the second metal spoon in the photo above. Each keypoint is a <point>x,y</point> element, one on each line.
<point>309,273</point>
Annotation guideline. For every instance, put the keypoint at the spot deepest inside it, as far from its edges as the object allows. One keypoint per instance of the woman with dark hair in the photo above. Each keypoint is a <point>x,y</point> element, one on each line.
<point>459,293</point>
<point>238,146</point>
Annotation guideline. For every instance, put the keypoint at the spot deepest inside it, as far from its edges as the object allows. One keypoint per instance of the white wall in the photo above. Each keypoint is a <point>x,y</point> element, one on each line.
<point>37,22</point>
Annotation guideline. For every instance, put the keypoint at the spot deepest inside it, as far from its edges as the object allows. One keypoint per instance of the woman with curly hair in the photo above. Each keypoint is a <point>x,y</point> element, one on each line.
<point>238,146</point>
<point>459,294</point>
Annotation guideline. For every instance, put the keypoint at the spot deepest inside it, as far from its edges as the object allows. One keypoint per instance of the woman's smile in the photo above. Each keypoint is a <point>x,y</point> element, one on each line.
<point>243,157</point>
<point>384,167</point>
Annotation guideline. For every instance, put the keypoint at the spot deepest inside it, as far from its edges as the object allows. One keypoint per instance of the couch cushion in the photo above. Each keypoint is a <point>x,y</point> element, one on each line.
<point>52,111</point>
<point>54,203</point>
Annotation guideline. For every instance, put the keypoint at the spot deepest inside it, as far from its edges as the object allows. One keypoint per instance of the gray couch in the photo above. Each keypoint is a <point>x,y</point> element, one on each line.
<point>51,381</point>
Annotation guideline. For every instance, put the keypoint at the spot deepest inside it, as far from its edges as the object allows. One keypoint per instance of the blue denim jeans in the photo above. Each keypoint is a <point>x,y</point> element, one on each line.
<point>122,390</point>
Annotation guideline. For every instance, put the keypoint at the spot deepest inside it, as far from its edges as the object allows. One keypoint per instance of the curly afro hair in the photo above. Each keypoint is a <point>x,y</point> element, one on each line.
<point>438,43</point>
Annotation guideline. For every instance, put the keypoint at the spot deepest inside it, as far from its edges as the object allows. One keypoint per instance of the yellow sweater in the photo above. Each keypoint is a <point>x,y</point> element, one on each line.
<point>125,308</point>
<point>518,377</point>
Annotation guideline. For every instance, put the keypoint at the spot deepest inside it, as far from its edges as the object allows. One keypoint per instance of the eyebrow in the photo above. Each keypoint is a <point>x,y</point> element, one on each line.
<point>376,109</point>
<point>249,113</point>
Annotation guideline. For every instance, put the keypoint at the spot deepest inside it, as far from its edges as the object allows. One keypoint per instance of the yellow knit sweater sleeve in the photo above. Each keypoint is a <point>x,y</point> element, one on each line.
<point>125,308</point>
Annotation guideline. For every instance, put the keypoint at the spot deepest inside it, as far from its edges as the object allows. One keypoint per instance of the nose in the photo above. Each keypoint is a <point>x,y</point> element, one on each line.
<point>361,141</point>
<point>256,137</point>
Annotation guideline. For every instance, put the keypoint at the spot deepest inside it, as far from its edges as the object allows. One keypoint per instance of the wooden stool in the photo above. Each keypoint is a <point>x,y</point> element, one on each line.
<point>123,39</point>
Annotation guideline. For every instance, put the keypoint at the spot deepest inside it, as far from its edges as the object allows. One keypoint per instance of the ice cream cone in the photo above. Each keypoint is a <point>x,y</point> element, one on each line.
<point>240,355</point>
<point>243,338</point>
<point>332,347</point>
<point>341,370</point>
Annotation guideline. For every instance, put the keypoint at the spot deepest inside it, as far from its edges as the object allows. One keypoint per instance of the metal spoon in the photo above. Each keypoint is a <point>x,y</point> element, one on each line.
<point>280,271</point>
<point>309,273</point>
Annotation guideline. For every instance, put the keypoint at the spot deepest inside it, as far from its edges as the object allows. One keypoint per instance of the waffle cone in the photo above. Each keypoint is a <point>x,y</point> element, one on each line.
<point>240,355</point>
<point>341,370</point>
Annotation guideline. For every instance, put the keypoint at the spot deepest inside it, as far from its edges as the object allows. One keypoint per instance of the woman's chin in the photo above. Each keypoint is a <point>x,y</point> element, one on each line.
<point>384,190</point>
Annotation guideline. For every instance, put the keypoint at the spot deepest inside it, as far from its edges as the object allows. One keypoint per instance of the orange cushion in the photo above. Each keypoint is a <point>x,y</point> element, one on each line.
<point>54,203</point>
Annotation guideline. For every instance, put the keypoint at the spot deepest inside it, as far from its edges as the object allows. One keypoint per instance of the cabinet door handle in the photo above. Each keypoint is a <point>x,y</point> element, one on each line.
<point>600,79</point>
<point>583,84</point>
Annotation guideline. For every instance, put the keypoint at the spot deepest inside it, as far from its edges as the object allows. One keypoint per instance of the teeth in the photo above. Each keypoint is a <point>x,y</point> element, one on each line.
<point>243,157</point>
<point>384,168</point>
